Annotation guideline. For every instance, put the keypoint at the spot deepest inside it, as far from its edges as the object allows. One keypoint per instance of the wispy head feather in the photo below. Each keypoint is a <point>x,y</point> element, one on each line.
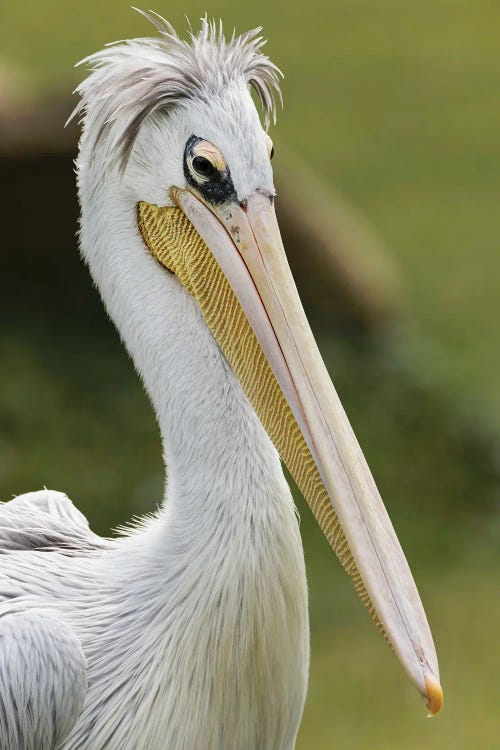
<point>133,78</point>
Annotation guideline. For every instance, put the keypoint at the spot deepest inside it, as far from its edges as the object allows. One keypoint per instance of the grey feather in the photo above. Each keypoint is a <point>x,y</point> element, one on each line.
<point>43,679</point>
<point>45,520</point>
<point>46,550</point>
<point>132,79</point>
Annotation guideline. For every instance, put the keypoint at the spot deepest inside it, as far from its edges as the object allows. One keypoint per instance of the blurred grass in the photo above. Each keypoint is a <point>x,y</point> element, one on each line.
<point>395,102</point>
<point>398,104</point>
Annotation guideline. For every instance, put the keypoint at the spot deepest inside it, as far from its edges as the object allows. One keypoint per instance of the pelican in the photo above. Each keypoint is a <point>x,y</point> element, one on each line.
<point>190,630</point>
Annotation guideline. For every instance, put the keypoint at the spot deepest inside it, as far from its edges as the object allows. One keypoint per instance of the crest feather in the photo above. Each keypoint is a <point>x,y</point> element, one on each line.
<point>132,78</point>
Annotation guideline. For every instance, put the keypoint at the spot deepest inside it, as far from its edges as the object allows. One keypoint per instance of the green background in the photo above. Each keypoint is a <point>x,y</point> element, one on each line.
<point>397,104</point>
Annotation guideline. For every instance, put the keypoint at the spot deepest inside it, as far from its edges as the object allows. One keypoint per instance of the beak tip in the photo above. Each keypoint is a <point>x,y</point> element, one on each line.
<point>434,695</point>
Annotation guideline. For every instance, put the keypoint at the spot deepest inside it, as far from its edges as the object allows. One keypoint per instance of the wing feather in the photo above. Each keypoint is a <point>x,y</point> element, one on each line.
<point>46,520</point>
<point>43,678</point>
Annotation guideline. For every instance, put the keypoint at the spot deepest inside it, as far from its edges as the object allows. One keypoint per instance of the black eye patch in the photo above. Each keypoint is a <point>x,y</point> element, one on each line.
<point>214,185</point>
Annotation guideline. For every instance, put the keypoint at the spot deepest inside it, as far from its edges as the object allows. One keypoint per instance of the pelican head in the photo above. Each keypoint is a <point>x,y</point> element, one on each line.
<point>176,167</point>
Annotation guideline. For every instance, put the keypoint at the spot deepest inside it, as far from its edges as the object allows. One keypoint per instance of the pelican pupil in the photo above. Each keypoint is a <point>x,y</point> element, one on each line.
<point>203,166</point>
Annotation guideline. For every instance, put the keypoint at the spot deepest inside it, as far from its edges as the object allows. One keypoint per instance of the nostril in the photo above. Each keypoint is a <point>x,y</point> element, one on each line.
<point>244,204</point>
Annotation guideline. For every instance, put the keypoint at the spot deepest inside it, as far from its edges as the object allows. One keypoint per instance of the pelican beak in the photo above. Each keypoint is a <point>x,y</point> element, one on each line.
<point>231,259</point>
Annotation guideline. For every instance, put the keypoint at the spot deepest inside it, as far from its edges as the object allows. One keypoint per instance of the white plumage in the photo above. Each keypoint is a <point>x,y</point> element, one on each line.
<point>194,626</point>
<point>189,632</point>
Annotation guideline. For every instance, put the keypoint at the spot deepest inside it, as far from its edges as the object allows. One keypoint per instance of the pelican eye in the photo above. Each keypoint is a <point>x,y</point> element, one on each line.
<point>204,167</point>
<point>272,152</point>
<point>207,171</point>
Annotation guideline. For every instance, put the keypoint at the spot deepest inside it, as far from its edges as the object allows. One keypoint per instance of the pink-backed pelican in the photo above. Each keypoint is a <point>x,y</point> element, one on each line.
<point>190,632</point>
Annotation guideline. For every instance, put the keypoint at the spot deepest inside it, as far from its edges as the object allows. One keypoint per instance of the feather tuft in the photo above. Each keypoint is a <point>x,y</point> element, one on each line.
<point>132,78</point>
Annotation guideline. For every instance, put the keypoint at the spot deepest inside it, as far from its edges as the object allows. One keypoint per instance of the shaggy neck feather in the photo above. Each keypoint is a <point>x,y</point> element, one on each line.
<point>216,585</point>
<point>219,458</point>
